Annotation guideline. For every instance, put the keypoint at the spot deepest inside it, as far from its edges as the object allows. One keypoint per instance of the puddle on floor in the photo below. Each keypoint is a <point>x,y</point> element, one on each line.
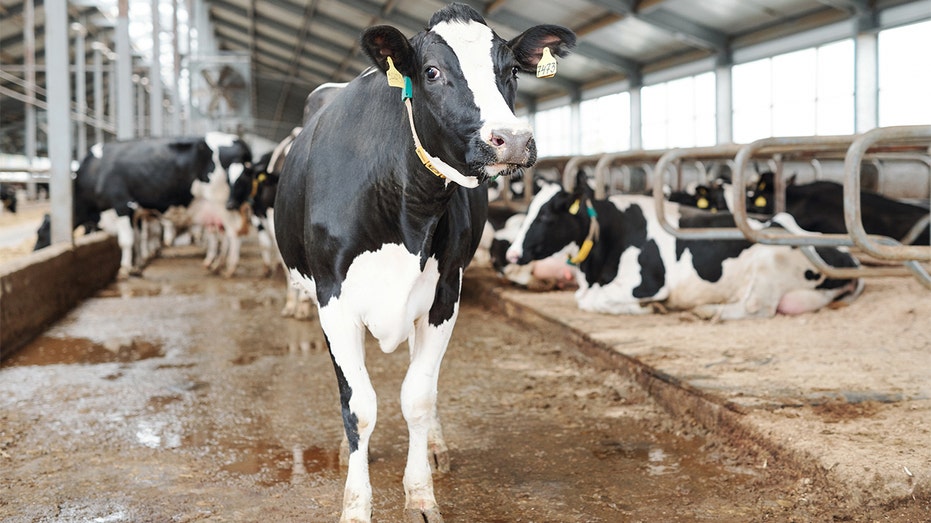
<point>274,464</point>
<point>46,350</point>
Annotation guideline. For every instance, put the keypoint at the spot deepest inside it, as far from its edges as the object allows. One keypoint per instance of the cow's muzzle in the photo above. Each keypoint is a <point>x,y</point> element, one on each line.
<point>513,147</point>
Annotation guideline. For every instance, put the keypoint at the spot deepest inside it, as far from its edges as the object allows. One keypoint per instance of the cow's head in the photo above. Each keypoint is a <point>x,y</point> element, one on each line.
<point>464,82</point>
<point>556,219</point>
<point>245,186</point>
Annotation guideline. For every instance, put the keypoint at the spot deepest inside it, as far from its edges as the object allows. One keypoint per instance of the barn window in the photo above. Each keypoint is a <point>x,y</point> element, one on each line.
<point>679,113</point>
<point>605,123</point>
<point>807,92</point>
<point>904,75</point>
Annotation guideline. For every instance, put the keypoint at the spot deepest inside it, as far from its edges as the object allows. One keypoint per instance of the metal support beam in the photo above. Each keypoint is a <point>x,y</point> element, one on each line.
<point>80,84</point>
<point>29,60</point>
<point>866,90</point>
<point>156,107</point>
<point>124,73</point>
<point>59,122</point>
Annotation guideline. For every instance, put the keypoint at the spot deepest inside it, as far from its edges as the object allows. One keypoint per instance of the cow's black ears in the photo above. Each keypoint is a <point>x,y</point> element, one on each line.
<point>528,46</point>
<point>382,41</point>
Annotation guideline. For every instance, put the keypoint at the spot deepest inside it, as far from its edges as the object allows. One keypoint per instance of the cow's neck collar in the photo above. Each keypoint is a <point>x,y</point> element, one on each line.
<point>593,230</point>
<point>432,163</point>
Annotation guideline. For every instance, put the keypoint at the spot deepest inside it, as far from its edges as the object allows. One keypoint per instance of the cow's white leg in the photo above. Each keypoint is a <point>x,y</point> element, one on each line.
<point>125,238</point>
<point>265,247</point>
<point>345,339</point>
<point>418,403</point>
<point>213,244</point>
<point>234,241</point>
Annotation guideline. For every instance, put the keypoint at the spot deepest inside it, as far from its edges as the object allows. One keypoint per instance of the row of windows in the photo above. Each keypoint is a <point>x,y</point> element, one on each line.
<point>808,92</point>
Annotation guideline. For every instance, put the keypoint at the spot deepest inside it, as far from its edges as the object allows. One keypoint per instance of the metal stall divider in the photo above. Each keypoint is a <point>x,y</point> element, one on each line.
<point>800,146</point>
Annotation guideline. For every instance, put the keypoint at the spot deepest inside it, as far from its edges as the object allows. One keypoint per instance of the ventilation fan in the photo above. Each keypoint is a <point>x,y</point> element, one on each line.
<point>223,93</point>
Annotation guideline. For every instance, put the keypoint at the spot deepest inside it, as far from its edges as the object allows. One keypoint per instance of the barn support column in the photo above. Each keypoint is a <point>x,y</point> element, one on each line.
<point>124,74</point>
<point>156,108</point>
<point>99,49</point>
<point>80,85</point>
<point>59,118</point>
<point>724,93</point>
<point>176,67</point>
<point>29,61</point>
<point>866,89</point>
<point>636,114</point>
<point>575,121</point>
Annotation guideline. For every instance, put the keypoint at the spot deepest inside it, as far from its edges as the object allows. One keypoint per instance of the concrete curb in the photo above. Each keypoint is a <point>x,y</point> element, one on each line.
<point>735,424</point>
<point>40,288</point>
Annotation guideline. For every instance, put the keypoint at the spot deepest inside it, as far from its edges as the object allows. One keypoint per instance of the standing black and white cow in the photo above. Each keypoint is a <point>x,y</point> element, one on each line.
<point>129,176</point>
<point>819,206</point>
<point>223,221</point>
<point>626,261</point>
<point>380,239</point>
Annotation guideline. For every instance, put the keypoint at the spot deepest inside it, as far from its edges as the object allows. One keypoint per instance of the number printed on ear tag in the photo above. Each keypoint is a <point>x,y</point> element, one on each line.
<point>546,67</point>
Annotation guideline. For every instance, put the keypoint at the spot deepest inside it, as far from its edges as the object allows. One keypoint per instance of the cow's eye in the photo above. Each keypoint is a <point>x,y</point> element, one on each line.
<point>515,71</point>
<point>432,73</point>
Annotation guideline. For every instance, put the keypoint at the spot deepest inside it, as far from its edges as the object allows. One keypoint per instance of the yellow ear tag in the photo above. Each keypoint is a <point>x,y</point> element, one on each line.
<point>395,78</point>
<point>702,203</point>
<point>574,208</point>
<point>760,201</point>
<point>546,67</point>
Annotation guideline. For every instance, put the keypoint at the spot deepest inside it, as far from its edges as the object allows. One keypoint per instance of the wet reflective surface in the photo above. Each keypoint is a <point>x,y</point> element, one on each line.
<point>182,396</point>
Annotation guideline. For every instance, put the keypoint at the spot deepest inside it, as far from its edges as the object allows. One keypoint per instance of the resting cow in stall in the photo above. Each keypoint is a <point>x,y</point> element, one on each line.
<point>8,197</point>
<point>130,176</point>
<point>379,230</point>
<point>819,206</point>
<point>626,261</point>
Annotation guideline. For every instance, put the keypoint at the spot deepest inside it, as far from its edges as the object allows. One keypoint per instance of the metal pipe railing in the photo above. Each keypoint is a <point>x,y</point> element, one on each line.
<point>852,215</point>
<point>724,151</point>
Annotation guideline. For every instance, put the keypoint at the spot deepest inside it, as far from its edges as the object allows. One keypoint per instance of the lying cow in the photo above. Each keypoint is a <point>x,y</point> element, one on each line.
<point>819,206</point>
<point>8,197</point>
<point>626,261</point>
<point>379,230</point>
<point>713,197</point>
<point>130,176</point>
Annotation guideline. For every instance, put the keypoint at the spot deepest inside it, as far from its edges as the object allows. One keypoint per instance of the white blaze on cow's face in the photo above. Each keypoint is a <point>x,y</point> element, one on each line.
<point>516,250</point>
<point>472,43</point>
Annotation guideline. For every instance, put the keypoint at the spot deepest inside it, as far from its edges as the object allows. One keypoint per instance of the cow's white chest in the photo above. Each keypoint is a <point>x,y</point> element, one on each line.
<point>386,291</point>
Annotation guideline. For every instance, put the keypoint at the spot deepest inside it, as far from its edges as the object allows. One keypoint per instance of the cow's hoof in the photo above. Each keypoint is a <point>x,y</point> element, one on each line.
<point>440,461</point>
<point>229,273</point>
<point>136,272</point>
<point>287,312</point>
<point>123,274</point>
<point>431,515</point>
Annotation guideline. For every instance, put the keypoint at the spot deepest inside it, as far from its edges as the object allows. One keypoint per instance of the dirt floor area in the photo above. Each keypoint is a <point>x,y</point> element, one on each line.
<point>181,396</point>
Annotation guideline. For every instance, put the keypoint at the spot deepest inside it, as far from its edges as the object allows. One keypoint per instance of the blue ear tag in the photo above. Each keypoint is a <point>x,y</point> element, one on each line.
<point>408,91</point>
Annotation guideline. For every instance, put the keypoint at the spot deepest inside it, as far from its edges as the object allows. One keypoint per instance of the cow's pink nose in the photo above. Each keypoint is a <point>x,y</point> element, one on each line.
<point>513,146</point>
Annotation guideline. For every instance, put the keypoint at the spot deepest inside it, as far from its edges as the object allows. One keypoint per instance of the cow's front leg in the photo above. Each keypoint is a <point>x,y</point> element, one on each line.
<point>125,237</point>
<point>235,246</point>
<point>418,403</point>
<point>345,340</point>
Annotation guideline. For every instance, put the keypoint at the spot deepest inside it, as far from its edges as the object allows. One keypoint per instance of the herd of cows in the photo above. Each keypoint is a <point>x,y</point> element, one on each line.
<point>379,202</point>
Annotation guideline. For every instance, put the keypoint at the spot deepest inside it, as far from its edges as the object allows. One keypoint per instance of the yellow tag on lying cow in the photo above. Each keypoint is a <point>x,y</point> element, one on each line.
<point>546,67</point>
<point>395,78</point>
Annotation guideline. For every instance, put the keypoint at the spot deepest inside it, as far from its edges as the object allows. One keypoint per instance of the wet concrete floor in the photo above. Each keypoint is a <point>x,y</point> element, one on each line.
<point>182,396</point>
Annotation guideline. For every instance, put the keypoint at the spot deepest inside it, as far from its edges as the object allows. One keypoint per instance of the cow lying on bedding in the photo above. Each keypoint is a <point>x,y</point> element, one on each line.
<point>625,260</point>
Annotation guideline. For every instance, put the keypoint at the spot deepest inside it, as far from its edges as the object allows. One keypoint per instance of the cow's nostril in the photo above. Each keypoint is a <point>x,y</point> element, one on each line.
<point>497,140</point>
